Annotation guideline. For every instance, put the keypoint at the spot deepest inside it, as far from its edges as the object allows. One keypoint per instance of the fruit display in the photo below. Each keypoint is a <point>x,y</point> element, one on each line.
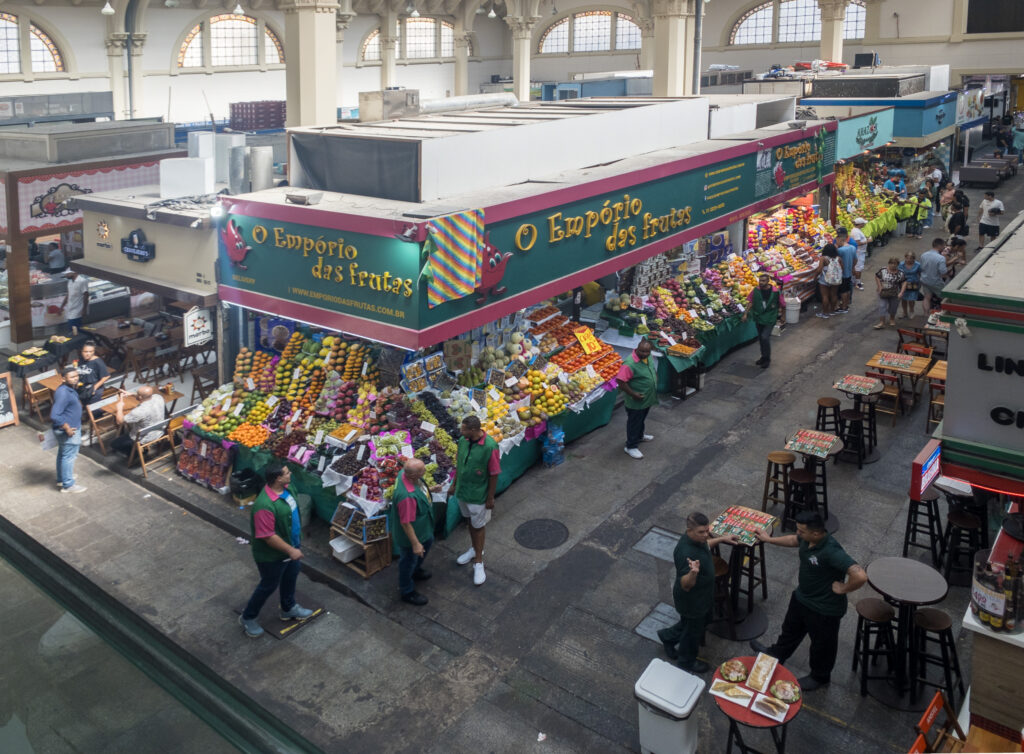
<point>249,435</point>
<point>855,188</point>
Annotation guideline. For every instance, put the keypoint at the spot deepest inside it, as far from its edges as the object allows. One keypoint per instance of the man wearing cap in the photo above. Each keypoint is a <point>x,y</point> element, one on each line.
<point>858,237</point>
<point>827,575</point>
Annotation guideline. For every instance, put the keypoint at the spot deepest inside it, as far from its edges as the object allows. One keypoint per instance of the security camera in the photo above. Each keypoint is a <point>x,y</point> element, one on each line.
<point>961,327</point>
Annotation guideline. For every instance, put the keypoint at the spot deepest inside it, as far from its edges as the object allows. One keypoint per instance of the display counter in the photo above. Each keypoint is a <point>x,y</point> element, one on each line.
<point>997,665</point>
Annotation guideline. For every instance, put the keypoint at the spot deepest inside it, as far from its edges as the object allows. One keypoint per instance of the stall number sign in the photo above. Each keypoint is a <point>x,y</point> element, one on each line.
<point>136,248</point>
<point>198,324</point>
<point>588,342</point>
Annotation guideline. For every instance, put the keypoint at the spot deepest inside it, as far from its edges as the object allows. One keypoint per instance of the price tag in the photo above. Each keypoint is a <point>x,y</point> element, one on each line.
<point>495,395</point>
<point>202,450</point>
<point>362,491</point>
<point>350,435</point>
<point>322,463</point>
<point>250,384</point>
<point>473,404</point>
<point>288,428</point>
<point>238,409</point>
<point>272,401</point>
<point>703,289</point>
<point>670,339</point>
<point>740,307</point>
<point>711,312</point>
<point>686,335</point>
<point>373,414</point>
<point>296,373</point>
<point>361,453</point>
<point>643,320</point>
<point>227,404</point>
<point>319,437</point>
<point>366,365</point>
<point>309,420</point>
<point>590,371</point>
<point>295,414</point>
<point>511,381</point>
<point>407,451</point>
<point>364,438</point>
<point>588,342</point>
<point>428,427</point>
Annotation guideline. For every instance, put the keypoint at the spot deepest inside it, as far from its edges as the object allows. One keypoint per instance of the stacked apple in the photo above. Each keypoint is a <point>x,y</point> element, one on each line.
<point>243,366</point>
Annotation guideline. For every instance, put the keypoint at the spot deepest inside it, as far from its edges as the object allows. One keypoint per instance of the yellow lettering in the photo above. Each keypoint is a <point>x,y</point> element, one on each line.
<point>259,234</point>
<point>526,237</point>
<point>555,232</point>
<point>279,237</point>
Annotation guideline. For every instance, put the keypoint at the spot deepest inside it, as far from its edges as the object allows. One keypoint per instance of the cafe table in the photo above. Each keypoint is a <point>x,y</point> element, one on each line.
<point>746,717</point>
<point>906,584</point>
<point>817,464</point>
<point>862,389</point>
<point>916,368</point>
<point>113,336</point>
<point>938,371</point>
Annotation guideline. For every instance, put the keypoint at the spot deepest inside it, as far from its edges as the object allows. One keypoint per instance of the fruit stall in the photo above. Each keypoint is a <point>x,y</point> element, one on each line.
<point>785,243</point>
<point>857,197</point>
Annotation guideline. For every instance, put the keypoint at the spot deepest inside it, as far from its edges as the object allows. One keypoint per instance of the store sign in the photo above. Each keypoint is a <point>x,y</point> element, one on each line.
<point>985,389</point>
<point>136,248</point>
<point>198,326</point>
<point>925,468</point>
<point>865,132</point>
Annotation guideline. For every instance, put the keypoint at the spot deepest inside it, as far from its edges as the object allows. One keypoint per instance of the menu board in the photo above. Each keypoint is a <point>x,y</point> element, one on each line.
<point>8,406</point>
<point>812,443</point>
<point>898,360</point>
<point>742,522</point>
<point>856,383</point>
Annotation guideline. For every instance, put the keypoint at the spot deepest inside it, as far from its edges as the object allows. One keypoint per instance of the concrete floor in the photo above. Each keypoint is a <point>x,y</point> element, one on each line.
<point>548,645</point>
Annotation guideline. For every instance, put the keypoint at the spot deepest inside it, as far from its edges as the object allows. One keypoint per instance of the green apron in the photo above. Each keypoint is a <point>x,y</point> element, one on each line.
<point>762,315</point>
<point>423,526</point>
<point>472,476</point>
<point>644,381</point>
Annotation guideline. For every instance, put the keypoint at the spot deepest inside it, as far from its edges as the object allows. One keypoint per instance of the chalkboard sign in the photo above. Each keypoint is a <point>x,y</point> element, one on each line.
<point>8,406</point>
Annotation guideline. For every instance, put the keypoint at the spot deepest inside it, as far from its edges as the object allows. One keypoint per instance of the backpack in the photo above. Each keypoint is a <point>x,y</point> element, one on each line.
<point>834,272</point>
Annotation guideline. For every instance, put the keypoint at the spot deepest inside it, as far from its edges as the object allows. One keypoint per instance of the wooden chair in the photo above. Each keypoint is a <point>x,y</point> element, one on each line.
<point>936,404</point>
<point>139,449</point>
<point>916,350</point>
<point>910,336</point>
<point>103,425</point>
<point>204,381</point>
<point>890,400</point>
<point>140,361</point>
<point>36,395</point>
<point>939,344</point>
<point>949,736</point>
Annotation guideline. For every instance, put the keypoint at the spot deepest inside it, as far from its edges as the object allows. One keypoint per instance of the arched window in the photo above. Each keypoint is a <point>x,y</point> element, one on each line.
<point>417,39</point>
<point>230,40</point>
<point>43,55</point>
<point>590,31</point>
<point>798,21</point>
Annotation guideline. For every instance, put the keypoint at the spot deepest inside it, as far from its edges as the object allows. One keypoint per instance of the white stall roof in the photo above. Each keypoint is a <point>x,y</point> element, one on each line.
<point>1002,274</point>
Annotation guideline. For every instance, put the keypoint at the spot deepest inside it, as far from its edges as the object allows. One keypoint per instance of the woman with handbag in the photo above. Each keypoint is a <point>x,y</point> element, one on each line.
<point>830,276</point>
<point>911,270</point>
<point>892,284</point>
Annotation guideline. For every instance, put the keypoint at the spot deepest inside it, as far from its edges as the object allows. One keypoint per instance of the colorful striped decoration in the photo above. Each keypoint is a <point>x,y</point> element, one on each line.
<point>454,243</point>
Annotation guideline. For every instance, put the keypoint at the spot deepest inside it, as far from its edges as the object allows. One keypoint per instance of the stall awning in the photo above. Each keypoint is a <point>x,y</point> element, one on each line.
<point>188,295</point>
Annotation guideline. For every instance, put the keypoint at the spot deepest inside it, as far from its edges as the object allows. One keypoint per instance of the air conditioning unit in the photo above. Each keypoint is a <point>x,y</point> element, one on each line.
<point>388,104</point>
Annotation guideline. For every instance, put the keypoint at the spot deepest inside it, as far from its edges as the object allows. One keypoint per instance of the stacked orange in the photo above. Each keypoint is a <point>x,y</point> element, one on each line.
<point>249,435</point>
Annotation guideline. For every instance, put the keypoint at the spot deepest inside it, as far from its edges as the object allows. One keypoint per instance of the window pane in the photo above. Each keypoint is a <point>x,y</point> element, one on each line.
<point>371,47</point>
<point>755,27</point>
<point>627,33</point>
<point>799,21</point>
<point>419,38</point>
<point>592,31</point>
<point>447,40</point>
<point>191,53</point>
<point>556,38</point>
<point>232,40</point>
<point>46,58</point>
<point>10,61</point>
<point>853,26</point>
<point>272,47</point>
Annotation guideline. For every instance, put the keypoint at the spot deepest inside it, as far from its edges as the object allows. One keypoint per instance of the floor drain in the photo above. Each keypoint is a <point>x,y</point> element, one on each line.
<point>541,534</point>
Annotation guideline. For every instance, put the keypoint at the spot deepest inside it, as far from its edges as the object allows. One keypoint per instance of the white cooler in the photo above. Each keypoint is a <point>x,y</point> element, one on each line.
<point>666,697</point>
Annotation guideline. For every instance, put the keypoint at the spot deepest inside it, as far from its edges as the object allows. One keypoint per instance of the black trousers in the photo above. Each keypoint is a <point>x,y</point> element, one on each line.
<point>635,418</point>
<point>764,339</point>
<point>687,635</point>
<point>801,621</point>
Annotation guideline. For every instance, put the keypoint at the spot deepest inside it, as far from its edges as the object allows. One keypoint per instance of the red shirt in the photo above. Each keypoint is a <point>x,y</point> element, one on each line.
<point>264,519</point>
<point>625,373</point>
<point>407,505</point>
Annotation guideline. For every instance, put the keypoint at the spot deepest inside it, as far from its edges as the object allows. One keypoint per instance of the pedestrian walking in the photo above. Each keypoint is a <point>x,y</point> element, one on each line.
<point>988,218</point>
<point>891,284</point>
<point>933,273</point>
<point>767,307</point>
<point>861,240</point>
<point>477,467</point>
<point>830,275</point>
<point>911,270</point>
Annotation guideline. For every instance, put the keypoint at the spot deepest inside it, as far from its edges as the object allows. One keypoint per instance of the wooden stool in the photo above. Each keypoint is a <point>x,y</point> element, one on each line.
<point>749,578</point>
<point>819,466</point>
<point>923,518</point>
<point>874,621</point>
<point>723,598</point>
<point>936,627</point>
<point>828,415</point>
<point>867,406</point>
<point>962,540</point>
<point>851,432</point>
<point>776,479</point>
<point>801,495</point>
<point>970,504</point>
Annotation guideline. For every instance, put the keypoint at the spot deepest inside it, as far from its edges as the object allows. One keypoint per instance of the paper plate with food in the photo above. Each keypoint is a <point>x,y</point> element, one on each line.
<point>732,692</point>
<point>770,707</point>
<point>786,691</point>
<point>734,671</point>
<point>762,672</point>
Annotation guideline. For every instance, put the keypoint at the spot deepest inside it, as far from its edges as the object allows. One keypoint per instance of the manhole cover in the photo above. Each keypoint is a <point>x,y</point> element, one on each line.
<point>541,534</point>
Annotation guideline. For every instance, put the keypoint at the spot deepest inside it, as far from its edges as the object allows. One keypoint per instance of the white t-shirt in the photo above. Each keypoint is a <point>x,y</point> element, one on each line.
<point>858,237</point>
<point>986,209</point>
<point>76,297</point>
<point>55,259</point>
<point>936,175</point>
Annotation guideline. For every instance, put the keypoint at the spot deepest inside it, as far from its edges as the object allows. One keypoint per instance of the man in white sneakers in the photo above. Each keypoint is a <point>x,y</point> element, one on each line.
<point>477,467</point>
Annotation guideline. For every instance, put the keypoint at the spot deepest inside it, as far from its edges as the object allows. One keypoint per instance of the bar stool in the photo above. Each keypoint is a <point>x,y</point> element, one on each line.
<point>851,431</point>
<point>933,626</point>
<point>723,598</point>
<point>874,621</point>
<point>776,479</point>
<point>923,518</point>
<point>970,504</point>
<point>802,483</point>
<point>828,415</point>
<point>752,573</point>
<point>819,467</point>
<point>963,539</point>
<point>867,407</point>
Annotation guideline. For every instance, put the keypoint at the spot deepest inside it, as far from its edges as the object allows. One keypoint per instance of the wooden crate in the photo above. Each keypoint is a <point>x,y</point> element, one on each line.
<point>376,555</point>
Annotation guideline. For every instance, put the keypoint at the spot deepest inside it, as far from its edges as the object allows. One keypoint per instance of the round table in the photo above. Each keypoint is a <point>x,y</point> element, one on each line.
<point>745,716</point>
<point>905,583</point>
<point>811,462</point>
<point>872,455</point>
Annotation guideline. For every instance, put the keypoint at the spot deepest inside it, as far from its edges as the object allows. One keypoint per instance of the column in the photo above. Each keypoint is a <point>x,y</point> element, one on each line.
<point>672,24</point>
<point>646,43</point>
<point>958,25</point>
<point>522,50</point>
<point>461,63</point>
<point>872,23</point>
<point>116,44</point>
<point>833,13</point>
<point>311,53</point>
<point>388,49</point>
<point>138,41</point>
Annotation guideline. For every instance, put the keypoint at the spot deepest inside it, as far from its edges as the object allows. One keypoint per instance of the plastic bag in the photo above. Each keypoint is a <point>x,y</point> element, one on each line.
<point>553,446</point>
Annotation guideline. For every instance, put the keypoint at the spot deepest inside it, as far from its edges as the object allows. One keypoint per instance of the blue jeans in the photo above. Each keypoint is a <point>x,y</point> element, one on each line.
<point>67,451</point>
<point>408,564</point>
<point>283,573</point>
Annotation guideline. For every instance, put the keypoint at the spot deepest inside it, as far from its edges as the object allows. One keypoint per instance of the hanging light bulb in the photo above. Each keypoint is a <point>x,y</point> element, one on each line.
<point>239,10</point>
<point>480,11</point>
<point>415,13</point>
<point>108,9</point>
<point>554,9</point>
<point>491,13</point>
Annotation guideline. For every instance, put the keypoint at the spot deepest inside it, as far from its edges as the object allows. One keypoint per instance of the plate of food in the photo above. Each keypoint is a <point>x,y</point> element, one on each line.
<point>762,672</point>
<point>785,691</point>
<point>732,692</point>
<point>770,707</point>
<point>734,671</point>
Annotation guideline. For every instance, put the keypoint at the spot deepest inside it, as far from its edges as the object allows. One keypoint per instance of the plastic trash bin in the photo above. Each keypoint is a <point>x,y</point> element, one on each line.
<point>793,304</point>
<point>666,697</point>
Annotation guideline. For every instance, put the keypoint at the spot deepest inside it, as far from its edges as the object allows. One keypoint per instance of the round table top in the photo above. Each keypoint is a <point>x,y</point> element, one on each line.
<point>836,449</point>
<point>908,581</point>
<point>745,715</point>
<point>878,387</point>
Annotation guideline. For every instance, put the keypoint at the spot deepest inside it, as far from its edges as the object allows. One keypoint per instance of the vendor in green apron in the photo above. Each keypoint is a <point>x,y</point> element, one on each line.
<point>477,467</point>
<point>412,529</point>
<point>638,379</point>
